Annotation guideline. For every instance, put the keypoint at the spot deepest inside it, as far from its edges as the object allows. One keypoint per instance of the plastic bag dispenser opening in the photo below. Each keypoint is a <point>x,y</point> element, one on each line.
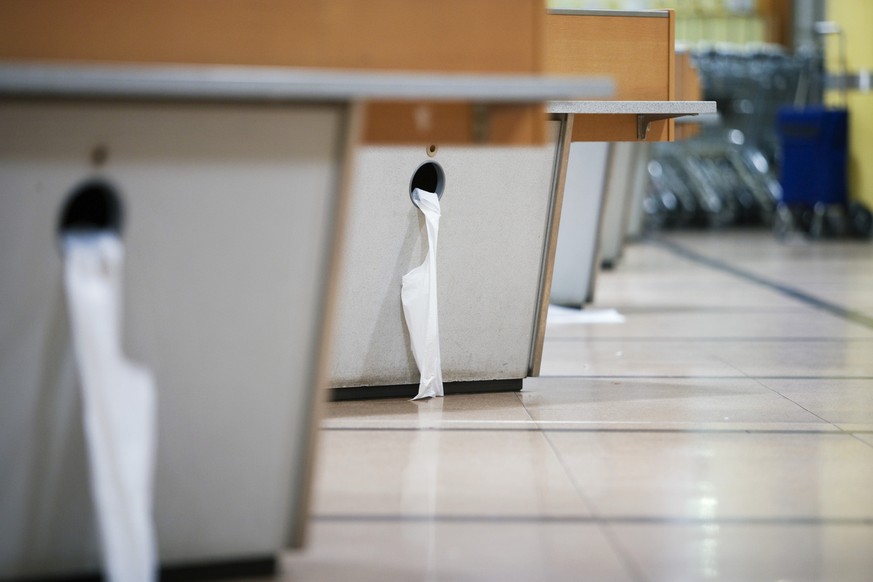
<point>94,206</point>
<point>429,177</point>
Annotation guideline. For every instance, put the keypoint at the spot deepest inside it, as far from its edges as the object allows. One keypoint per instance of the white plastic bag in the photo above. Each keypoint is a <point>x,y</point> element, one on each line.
<point>118,406</point>
<point>418,293</point>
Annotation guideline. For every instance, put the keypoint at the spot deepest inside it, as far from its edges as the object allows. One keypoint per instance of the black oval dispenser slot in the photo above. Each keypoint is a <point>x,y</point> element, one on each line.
<point>93,206</point>
<point>428,177</point>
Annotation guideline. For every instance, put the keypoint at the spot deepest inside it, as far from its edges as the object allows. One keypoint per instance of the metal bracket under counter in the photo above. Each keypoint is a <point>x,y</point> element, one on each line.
<point>646,112</point>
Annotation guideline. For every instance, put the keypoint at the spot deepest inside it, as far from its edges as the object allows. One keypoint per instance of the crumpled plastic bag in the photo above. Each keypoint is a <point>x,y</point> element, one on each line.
<point>118,407</point>
<point>418,293</point>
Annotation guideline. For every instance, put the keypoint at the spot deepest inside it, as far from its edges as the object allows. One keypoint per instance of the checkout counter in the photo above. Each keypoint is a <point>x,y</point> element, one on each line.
<point>606,171</point>
<point>501,211</point>
<point>234,155</point>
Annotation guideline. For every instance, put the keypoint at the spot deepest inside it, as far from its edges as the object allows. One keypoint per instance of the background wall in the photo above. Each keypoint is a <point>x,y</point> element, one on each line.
<point>856,18</point>
<point>735,21</point>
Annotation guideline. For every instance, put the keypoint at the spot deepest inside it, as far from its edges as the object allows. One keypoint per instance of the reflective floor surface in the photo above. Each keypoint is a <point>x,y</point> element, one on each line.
<point>723,431</point>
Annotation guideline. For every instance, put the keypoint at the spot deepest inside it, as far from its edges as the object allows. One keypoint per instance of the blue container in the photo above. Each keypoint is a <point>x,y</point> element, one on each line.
<point>814,148</point>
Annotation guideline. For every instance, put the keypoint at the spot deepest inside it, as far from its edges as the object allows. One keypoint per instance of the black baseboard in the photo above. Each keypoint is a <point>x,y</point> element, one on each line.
<point>410,390</point>
<point>253,568</point>
<point>243,568</point>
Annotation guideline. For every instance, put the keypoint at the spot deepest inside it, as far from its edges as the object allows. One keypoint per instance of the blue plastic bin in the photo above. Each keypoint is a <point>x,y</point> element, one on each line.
<point>814,147</point>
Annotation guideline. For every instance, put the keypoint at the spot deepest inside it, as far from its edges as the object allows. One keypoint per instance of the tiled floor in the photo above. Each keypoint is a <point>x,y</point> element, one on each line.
<point>724,431</point>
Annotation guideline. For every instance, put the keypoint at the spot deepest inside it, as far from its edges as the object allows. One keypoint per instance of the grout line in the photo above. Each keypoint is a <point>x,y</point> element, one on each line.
<point>856,437</point>
<point>637,570</point>
<point>739,375</point>
<point>761,383</point>
<point>623,556</point>
<point>637,309</point>
<point>526,411</point>
<point>707,339</point>
<point>546,429</point>
<point>791,292</point>
<point>588,504</point>
<point>591,519</point>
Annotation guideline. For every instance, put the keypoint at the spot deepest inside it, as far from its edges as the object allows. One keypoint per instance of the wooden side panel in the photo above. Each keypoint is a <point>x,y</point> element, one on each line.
<point>450,35</point>
<point>637,52</point>
<point>437,123</point>
<point>496,36</point>
<point>778,17</point>
<point>688,88</point>
<point>671,75</point>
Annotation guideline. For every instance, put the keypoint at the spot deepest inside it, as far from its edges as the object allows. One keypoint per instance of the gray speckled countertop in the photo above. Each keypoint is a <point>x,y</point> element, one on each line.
<point>633,107</point>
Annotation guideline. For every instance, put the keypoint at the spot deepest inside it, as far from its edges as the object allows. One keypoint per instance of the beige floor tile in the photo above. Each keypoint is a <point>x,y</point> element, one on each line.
<point>796,359</point>
<point>646,258</point>
<point>837,401</point>
<point>441,472</point>
<point>799,323</point>
<point>799,553</point>
<point>853,427</point>
<point>667,288</point>
<point>865,437</point>
<point>502,410</point>
<point>427,424</point>
<point>387,552</point>
<point>690,426</point>
<point>659,400</point>
<point>849,293</point>
<point>813,275</point>
<point>834,271</point>
<point>631,358</point>
<point>654,276</point>
<point>759,247</point>
<point>711,475</point>
<point>807,266</point>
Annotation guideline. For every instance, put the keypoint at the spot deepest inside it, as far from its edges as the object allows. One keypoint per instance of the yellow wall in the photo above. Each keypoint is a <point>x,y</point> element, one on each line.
<point>709,21</point>
<point>856,18</point>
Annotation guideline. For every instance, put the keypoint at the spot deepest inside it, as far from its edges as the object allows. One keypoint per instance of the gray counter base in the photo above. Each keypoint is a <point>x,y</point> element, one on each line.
<point>492,239</point>
<point>230,214</point>
<point>410,390</point>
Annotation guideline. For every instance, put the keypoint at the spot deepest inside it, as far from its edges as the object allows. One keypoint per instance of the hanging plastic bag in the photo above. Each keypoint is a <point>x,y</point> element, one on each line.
<point>118,407</point>
<point>418,293</point>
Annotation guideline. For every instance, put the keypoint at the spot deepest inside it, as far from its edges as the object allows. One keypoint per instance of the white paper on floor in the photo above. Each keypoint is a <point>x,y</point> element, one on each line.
<point>118,407</point>
<point>559,315</point>
<point>418,293</point>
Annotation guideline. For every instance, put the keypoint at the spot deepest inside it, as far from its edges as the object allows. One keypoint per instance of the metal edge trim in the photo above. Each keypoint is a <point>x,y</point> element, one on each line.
<point>595,12</point>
